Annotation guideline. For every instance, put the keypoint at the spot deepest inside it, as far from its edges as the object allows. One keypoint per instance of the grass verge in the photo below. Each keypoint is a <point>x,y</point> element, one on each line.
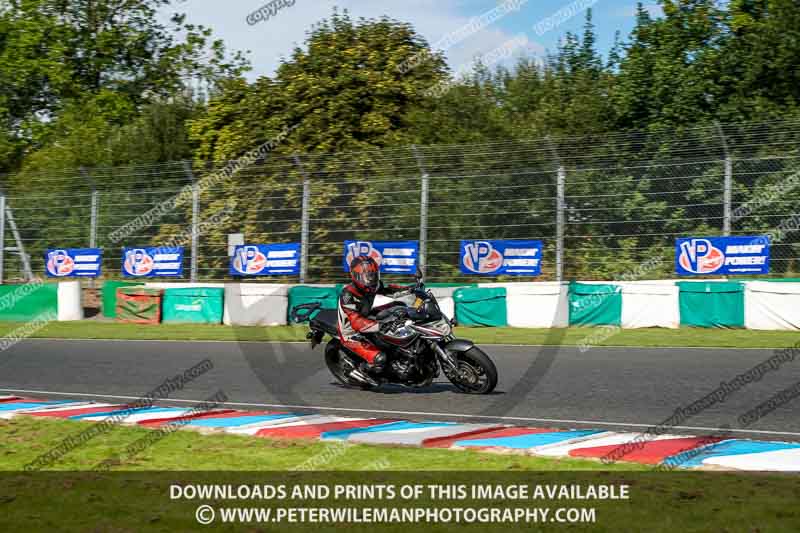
<point>25,438</point>
<point>137,496</point>
<point>655,337</point>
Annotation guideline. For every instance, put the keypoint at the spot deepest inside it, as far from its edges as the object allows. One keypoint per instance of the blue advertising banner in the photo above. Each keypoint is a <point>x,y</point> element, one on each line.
<point>73,262</point>
<point>496,258</point>
<point>152,262</point>
<point>695,256</point>
<point>266,260</point>
<point>395,257</point>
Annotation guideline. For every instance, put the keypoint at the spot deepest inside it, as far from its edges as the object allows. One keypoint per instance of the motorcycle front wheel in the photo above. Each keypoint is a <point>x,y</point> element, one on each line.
<point>476,372</point>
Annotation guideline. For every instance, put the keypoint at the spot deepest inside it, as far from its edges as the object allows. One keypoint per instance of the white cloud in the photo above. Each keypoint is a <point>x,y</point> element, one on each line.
<point>275,38</point>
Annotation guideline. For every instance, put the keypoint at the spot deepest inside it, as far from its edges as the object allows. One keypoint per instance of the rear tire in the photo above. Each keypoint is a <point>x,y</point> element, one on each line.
<point>479,369</point>
<point>337,367</point>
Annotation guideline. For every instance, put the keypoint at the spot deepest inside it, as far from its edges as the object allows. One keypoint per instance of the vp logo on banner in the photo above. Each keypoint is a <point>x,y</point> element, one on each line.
<point>73,262</point>
<point>722,255</point>
<point>501,257</point>
<point>266,260</point>
<point>249,260</point>
<point>699,256</point>
<point>137,262</point>
<point>481,257</point>
<point>152,262</point>
<point>59,263</point>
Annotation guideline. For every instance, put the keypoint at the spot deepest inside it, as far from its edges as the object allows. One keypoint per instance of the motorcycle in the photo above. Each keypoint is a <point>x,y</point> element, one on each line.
<point>417,339</point>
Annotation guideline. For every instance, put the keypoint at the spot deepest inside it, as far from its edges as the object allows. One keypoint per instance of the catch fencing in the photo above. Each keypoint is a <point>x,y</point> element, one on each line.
<point>607,207</point>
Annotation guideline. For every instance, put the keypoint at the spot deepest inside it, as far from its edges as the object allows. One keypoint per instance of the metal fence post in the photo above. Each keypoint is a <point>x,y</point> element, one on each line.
<point>195,236</point>
<point>727,195</point>
<point>423,212</point>
<point>305,218</point>
<point>560,208</point>
<point>561,203</point>
<point>92,214</point>
<point>2,235</point>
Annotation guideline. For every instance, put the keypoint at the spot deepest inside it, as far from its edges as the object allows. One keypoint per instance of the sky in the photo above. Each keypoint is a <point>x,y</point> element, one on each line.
<point>532,29</point>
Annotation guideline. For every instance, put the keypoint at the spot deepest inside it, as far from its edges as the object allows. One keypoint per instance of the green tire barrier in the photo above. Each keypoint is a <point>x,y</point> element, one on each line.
<point>595,305</point>
<point>302,294</point>
<point>139,305</point>
<point>22,303</point>
<point>200,305</point>
<point>717,304</point>
<point>481,306</point>
<point>110,296</point>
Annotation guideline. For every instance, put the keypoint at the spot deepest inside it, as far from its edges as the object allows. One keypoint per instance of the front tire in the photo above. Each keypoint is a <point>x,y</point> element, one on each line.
<point>338,366</point>
<point>476,372</point>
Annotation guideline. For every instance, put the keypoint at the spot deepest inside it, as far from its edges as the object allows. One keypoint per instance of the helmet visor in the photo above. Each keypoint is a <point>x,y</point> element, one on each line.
<point>368,277</point>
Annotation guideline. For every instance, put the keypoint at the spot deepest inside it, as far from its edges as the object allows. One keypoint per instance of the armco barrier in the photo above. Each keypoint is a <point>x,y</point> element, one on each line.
<point>772,306</point>
<point>110,296</point>
<point>183,285</point>
<point>758,304</point>
<point>595,304</point>
<point>70,300</point>
<point>203,305</point>
<point>26,302</point>
<point>536,304</point>
<point>481,306</point>
<point>712,305</point>
<point>649,305</point>
<point>139,305</point>
<point>256,304</point>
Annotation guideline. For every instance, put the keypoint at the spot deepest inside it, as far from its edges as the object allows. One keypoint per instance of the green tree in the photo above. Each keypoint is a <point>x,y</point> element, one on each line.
<point>58,55</point>
<point>343,91</point>
<point>344,88</point>
<point>760,60</point>
<point>670,74</point>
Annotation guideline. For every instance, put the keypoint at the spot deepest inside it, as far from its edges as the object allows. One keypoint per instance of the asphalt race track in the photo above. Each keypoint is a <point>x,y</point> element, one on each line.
<point>605,388</point>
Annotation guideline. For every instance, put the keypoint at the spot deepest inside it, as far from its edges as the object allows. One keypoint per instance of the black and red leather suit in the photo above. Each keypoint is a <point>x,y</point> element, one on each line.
<point>355,303</point>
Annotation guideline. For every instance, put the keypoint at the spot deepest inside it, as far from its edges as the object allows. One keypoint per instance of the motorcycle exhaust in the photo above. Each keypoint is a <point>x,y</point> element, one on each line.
<point>363,378</point>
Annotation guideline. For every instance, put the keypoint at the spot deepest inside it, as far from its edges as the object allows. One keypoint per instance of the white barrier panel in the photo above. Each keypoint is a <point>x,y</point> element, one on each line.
<point>650,305</point>
<point>772,305</point>
<point>536,305</point>
<point>256,304</point>
<point>70,302</point>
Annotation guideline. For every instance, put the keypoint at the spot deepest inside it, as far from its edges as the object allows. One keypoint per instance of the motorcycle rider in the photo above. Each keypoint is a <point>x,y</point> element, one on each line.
<point>355,303</point>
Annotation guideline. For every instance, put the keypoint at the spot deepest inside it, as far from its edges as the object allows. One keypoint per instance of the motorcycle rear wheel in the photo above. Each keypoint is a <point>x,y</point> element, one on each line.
<point>477,373</point>
<point>339,367</point>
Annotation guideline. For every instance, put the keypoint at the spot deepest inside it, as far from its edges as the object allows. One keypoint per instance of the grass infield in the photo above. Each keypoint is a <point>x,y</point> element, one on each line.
<point>685,337</point>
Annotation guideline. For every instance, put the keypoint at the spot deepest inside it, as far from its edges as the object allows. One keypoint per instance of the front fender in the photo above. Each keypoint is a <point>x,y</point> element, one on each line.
<point>459,345</point>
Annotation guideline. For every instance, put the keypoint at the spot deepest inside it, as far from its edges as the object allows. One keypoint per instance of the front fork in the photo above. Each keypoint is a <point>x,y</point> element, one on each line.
<point>446,359</point>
